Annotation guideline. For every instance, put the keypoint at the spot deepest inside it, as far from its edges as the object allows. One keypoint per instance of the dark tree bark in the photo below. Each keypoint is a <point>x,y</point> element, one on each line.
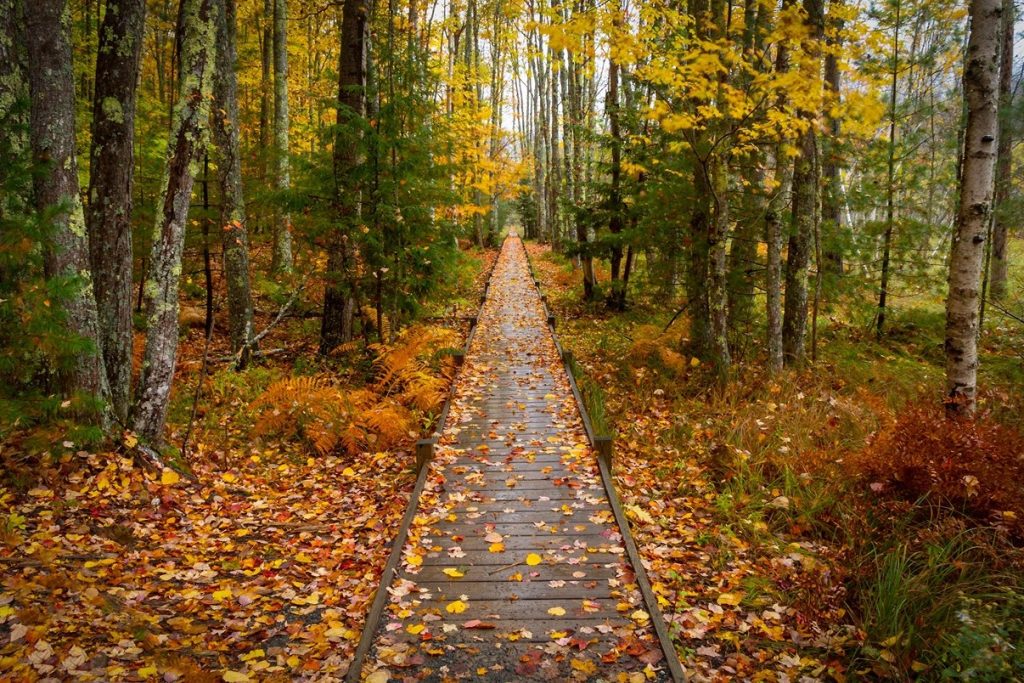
<point>336,326</point>
<point>109,213</point>
<point>52,133</point>
<point>616,208</point>
<point>234,234</point>
<point>831,200</point>
<point>1004,169</point>
<point>806,174</point>
<point>185,148</point>
<point>981,93</point>
<point>13,86</point>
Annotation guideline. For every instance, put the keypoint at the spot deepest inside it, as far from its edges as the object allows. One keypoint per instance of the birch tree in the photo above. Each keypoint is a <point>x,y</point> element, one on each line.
<point>981,97</point>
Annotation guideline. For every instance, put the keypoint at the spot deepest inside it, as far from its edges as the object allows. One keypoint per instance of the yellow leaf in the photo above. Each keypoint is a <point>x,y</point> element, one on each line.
<point>220,596</point>
<point>454,573</point>
<point>533,559</point>
<point>415,560</point>
<point>229,477</point>
<point>169,477</point>
<point>253,654</point>
<point>415,629</point>
<point>640,616</point>
<point>557,611</point>
<point>496,548</point>
<point>293,661</point>
<point>889,642</point>
<point>235,677</point>
<point>694,362</point>
<point>130,440</point>
<point>730,599</point>
<point>349,472</point>
<point>457,607</point>
<point>148,671</point>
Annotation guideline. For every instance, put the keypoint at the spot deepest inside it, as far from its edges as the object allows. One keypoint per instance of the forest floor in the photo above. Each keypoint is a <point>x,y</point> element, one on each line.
<point>256,557</point>
<point>824,525</point>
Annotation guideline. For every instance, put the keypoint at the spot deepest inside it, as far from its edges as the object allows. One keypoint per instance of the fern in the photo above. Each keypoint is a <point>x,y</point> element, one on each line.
<point>412,377</point>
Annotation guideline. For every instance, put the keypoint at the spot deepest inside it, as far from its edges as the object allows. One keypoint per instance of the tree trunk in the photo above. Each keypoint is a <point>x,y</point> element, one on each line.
<point>185,147</point>
<point>52,134</point>
<point>806,174</point>
<point>890,184</point>
<point>340,291</point>
<point>110,189</point>
<point>13,95</point>
<point>782,180</point>
<point>831,214</point>
<point>282,252</point>
<point>1004,173</point>
<point>616,219</point>
<point>233,232</point>
<point>981,94</point>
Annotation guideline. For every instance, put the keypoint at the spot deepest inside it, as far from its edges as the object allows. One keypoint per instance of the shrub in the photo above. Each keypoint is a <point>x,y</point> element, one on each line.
<point>971,464</point>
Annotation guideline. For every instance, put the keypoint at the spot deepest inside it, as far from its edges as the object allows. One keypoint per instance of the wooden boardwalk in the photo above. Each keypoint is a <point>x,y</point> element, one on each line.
<point>514,567</point>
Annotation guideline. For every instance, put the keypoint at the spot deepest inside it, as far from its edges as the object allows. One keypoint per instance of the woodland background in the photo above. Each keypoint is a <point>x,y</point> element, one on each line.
<point>240,239</point>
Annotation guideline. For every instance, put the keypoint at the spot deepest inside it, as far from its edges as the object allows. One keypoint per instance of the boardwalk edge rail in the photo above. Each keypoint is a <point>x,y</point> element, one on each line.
<point>602,445</point>
<point>424,453</point>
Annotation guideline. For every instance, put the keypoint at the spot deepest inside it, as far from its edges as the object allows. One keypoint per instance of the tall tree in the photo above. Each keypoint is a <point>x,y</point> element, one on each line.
<point>282,252</point>
<point>1004,171</point>
<point>52,133</point>
<point>110,189</point>
<point>185,148</point>
<point>234,234</point>
<point>806,175</point>
<point>890,184</point>
<point>339,295</point>
<point>981,97</point>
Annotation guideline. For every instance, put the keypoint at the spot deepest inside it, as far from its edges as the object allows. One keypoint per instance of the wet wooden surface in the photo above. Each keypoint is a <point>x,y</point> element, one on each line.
<point>515,568</point>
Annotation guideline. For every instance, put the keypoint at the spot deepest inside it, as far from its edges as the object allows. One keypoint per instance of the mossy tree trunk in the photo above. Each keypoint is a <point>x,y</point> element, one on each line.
<point>234,234</point>
<point>185,148</point>
<point>282,252</point>
<point>806,175</point>
<point>339,294</point>
<point>977,183</point>
<point>52,134</point>
<point>109,213</point>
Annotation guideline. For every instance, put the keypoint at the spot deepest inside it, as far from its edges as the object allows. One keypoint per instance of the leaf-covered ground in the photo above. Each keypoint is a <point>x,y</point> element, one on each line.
<point>262,567</point>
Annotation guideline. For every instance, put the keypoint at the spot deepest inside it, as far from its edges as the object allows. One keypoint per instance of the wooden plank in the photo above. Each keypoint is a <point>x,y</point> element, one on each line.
<point>543,573</point>
<point>513,590</point>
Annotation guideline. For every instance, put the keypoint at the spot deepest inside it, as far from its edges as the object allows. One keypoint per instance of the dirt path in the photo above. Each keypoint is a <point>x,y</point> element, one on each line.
<point>514,568</point>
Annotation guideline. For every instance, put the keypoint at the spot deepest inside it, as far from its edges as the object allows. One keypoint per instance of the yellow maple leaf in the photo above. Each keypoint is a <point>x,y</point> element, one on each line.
<point>533,559</point>
<point>496,548</point>
<point>415,629</point>
<point>457,607</point>
<point>453,572</point>
<point>557,611</point>
<point>169,477</point>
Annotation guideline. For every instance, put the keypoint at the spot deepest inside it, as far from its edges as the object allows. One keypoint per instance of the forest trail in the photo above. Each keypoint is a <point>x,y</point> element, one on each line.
<point>514,567</point>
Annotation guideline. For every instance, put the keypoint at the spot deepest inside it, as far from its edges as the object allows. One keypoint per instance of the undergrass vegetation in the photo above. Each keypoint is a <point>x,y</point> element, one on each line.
<point>841,494</point>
